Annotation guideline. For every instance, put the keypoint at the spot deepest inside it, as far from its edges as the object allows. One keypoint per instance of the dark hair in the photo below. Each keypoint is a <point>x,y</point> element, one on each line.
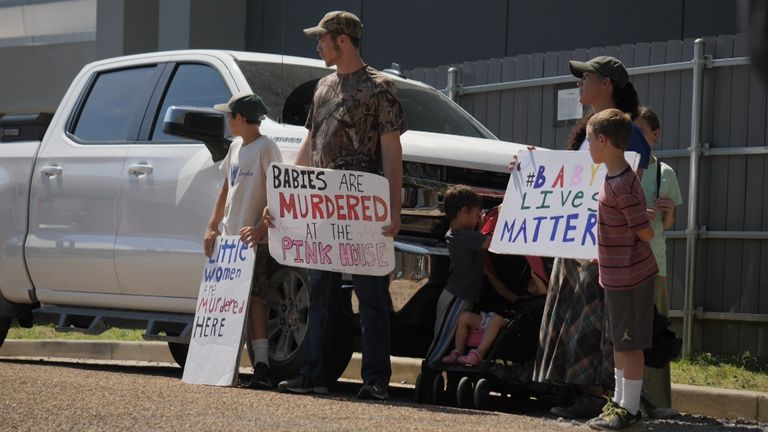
<point>625,99</point>
<point>614,124</point>
<point>458,197</point>
<point>650,117</point>
<point>247,120</point>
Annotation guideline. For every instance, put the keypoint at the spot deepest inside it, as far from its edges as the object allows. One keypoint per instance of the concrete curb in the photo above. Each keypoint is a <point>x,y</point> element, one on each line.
<point>697,400</point>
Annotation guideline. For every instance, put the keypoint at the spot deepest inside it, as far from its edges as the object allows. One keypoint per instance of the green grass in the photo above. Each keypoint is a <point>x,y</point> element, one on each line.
<point>48,332</point>
<point>740,372</point>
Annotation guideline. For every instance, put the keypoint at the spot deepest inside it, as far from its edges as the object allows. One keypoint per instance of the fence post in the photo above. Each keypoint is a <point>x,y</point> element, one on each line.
<point>453,83</point>
<point>692,231</point>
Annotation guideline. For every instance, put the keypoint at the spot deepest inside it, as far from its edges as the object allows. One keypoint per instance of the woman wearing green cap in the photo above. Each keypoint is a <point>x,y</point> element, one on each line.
<point>573,349</point>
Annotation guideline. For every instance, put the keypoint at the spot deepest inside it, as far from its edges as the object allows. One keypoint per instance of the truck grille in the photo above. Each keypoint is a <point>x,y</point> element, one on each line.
<point>424,186</point>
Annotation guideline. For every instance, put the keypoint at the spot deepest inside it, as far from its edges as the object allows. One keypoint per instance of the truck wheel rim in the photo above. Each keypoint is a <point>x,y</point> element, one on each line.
<point>287,308</point>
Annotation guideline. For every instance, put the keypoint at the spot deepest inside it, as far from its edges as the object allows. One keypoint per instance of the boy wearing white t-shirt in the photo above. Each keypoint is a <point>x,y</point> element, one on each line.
<point>239,207</point>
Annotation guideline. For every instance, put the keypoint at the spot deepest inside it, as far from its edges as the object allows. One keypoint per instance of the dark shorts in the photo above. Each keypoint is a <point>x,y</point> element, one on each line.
<point>630,317</point>
<point>263,269</point>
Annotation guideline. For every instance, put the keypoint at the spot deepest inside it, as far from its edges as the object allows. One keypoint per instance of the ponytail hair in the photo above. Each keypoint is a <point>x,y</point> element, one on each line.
<point>578,133</point>
<point>626,99</point>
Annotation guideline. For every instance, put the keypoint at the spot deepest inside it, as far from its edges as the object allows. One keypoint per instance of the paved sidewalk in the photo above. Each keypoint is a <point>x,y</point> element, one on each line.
<point>697,400</point>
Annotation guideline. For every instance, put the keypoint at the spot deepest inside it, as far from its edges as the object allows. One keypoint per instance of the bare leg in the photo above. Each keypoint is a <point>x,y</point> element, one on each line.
<point>496,324</point>
<point>631,362</point>
<point>467,321</point>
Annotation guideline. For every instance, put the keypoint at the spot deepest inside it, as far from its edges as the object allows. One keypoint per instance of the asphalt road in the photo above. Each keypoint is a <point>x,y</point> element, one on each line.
<point>50,395</point>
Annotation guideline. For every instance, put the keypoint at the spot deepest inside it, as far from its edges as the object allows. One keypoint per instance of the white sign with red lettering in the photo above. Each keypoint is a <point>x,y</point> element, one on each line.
<point>217,331</point>
<point>329,219</point>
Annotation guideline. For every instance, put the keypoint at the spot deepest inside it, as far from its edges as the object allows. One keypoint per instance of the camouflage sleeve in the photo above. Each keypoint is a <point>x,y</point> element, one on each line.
<point>390,111</point>
<point>310,115</point>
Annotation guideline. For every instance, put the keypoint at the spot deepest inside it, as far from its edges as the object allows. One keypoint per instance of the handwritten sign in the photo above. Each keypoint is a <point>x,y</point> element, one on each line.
<point>217,332</point>
<point>329,219</point>
<point>550,206</point>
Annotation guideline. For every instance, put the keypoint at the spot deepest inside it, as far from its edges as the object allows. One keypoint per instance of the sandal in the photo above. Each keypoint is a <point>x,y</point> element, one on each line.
<point>452,358</point>
<point>473,358</point>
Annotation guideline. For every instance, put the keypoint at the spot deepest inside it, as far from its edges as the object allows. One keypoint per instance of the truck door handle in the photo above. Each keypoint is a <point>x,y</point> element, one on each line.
<point>51,170</point>
<point>140,169</point>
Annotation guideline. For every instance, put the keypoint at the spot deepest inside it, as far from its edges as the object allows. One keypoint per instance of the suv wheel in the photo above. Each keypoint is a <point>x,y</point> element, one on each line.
<point>287,311</point>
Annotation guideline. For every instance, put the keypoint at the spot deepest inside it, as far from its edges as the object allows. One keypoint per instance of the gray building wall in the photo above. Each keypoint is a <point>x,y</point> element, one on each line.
<point>731,273</point>
<point>429,33</point>
<point>415,34</point>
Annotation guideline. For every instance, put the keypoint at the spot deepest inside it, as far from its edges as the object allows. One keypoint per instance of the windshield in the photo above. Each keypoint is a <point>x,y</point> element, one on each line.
<point>287,90</point>
<point>428,110</point>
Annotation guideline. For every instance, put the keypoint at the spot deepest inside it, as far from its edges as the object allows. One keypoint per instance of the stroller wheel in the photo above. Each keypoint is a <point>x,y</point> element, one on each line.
<point>438,389</point>
<point>451,385</point>
<point>420,393</point>
<point>482,392</point>
<point>464,396</point>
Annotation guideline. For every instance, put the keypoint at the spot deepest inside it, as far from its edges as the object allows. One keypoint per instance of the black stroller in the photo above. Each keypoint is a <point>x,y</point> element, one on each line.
<point>508,365</point>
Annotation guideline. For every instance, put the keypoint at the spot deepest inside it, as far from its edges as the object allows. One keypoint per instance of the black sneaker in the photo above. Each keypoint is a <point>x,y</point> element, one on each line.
<point>374,391</point>
<point>301,384</point>
<point>261,378</point>
<point>617,418</point>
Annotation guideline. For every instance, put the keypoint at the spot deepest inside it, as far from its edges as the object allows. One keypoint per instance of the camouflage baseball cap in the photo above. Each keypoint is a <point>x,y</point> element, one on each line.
<point>341,22</point>
<point>246,104</point>
<point>604,65</point>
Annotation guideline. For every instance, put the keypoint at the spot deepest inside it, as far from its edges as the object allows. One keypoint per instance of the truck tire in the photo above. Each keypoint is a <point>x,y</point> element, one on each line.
<point>288,308</point>
<point>287,312</point>
<point>179,352</point>
<point>5,324</point>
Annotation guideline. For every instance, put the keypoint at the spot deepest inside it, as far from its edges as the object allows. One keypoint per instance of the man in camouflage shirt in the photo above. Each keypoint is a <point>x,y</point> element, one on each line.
<point>355,123</point>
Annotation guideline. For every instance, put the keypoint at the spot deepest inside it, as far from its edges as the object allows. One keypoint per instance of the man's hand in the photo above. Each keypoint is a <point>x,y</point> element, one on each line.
<point>393,228</point>
<point>209,240</point>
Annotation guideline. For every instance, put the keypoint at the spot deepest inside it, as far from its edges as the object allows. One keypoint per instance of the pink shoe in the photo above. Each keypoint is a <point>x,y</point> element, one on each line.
<point>452,358</point>
<point>473,358</point>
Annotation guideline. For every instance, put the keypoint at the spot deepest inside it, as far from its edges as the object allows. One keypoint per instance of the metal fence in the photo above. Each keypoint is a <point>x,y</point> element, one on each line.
<point>713,112</point>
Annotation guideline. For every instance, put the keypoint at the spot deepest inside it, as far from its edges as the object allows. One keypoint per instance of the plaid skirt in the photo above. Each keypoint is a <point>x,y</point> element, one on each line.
<point>573,344</point>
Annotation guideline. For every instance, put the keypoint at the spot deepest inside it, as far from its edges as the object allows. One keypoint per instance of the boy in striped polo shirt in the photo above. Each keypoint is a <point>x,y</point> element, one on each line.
<point>627,266</point>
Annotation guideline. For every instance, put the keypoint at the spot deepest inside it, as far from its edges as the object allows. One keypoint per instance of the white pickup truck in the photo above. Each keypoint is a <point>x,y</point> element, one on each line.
<point>103,212</point>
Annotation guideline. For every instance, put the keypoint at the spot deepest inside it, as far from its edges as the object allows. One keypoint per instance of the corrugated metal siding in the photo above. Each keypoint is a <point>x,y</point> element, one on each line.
<point>732,275</point>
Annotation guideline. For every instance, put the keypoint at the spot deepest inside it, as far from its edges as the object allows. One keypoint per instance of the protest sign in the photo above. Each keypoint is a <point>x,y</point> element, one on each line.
<point>550,206</point>
<point>329,219</point>
<point>217,331</point>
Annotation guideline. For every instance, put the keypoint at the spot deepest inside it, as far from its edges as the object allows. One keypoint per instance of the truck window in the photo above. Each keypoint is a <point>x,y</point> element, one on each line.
<point>115,105</point>
<point>427,110</point>
<point>192,85</point>
<point>276,82</point>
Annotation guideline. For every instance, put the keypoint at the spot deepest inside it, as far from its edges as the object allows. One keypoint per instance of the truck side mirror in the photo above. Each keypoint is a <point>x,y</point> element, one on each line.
<point>200,124</point>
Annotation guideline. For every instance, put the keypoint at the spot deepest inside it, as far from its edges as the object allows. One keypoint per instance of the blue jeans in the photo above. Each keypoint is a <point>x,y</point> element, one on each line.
<point>375,306</point>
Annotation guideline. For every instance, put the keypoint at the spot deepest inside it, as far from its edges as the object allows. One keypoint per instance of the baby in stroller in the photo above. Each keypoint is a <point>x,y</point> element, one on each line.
<point>479,330</point>
<point>503,337</point>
